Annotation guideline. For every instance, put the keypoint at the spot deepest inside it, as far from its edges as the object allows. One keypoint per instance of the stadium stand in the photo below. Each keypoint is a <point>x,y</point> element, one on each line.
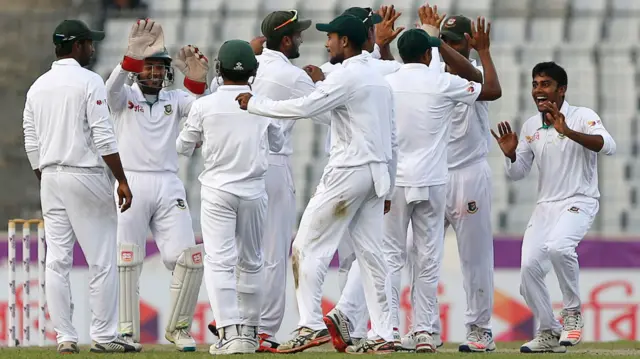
<point>595,40</point>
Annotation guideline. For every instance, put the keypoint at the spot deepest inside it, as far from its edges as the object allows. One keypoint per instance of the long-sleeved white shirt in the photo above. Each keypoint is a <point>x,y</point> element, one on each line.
<point>66,118</point>
<point>565,168</point>
<point>235,146</point>
<point>146,132</point>
<point>360,106</point>
<point>279,79</point>
<point>425,100</point>
<point>470,136</point>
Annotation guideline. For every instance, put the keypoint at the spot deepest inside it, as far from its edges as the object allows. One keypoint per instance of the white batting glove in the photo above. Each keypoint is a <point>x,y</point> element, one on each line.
<point>195,66</point>
<point>146,38</point>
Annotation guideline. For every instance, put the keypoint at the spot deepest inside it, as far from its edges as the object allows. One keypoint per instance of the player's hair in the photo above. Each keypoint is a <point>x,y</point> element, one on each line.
<point>553,70</point>
<point>236,76</point>
<point>412,58</point>
<point>65,48</point>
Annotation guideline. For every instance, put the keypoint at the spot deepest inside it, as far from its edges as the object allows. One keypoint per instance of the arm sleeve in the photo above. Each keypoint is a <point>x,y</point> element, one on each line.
<point>191,132</point>
<point>393,164</point>
<point>458,89</point>
<point>117,89</point>
<point>98,118</point>
<point>276,137</point>
<point>185,100</point>
<point>327,95</point>
<point>592,125</point>
<point>30,136</point>
<point>524,160</point>
<point>304,87</point>
<point>386,67</point>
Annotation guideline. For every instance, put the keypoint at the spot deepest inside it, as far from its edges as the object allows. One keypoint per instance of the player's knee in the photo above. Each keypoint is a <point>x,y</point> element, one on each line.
<point>559,253</point>
<point>250,265</point>
<point>60,266</point>
<point>530,268</point>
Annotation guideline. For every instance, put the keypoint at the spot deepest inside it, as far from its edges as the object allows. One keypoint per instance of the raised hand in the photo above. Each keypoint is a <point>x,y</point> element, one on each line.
<point>314,72</point>
<point>430,19</point>
<point>508,140</point>
<point>195,66</point>
<point>555,117</point>
<point>385,30</point>
<point>479,39</point>
<point>257,44</point>
<point>145,39</point>
<point>243,100</point>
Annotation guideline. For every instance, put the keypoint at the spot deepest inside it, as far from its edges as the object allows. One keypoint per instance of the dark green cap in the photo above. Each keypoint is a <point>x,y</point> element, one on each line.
<point>455,27</point>
<point>71,30</point>
<point>365,14</point>
<point>346,25</point>
<point>280,22</point>
<point>415,42</point>
<point>237,55</point>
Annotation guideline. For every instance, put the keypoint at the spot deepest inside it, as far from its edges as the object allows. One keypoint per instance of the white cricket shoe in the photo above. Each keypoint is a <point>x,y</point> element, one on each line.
<point>118,345</point>
<point>572,328</point>
<point>408,342</point>
<point>545,342</point>
<point>182,339</point>
<point>397,339</point>
<point>230,342</point>
<point>424,343</point>
<point>478,340</point>
<point>250,339</point>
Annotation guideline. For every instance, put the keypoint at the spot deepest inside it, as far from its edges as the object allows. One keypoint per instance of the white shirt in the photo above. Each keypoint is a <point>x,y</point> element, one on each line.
<point>66,118</point>
<point>235,144</point>
<point>279,79</point>
<point>566,168</point>
<point>425,100</point>
<point>146,132</point>
<point>470,135</point>
<point>359,104</point>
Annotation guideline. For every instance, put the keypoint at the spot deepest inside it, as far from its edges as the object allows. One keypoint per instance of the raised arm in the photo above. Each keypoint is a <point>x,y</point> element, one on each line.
<point>117,89</point>
<point>519,156</point>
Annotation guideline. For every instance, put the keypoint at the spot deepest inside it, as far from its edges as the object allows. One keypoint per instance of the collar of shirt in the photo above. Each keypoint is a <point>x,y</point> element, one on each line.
<point>65,62</point>
<point>414,66</point>
<point>162,95</point>
<point>563,110</point>
<point>358,58</point>
<point>274,55</point>
<point>234,88</point>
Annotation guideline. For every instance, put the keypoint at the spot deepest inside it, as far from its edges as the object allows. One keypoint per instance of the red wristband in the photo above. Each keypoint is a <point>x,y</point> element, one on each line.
<point>195,87</point>
<point>132,65</point>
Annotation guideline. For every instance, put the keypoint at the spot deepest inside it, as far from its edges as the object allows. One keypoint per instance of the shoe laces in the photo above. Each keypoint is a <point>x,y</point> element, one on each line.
<point>474,334</point>
<point>183,333</point>
<point>570,320</point>
<point>545,336</point>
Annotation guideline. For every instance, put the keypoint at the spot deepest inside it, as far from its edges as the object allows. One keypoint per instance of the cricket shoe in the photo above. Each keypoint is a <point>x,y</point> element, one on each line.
<point>371,346</point>
<point>437,339</point>
<point>182,339</point>
<point>268,344</point>
<point>230,342</point>
<point>118,345</point>
<point>408,342</point>
<point>68,348</point>
<point>478,340</point>
<point>424,342</point>
<point>397,339</point>
<point>305,338</point>
<point>338,325</point>
<point>250,339</point>
<point>213,329</point>
<point>545,342</point>
<point>572,328</point>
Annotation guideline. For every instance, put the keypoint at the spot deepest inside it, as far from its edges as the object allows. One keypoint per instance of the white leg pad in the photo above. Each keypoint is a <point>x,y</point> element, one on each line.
<point>130,258</point>
<point>185,287</point>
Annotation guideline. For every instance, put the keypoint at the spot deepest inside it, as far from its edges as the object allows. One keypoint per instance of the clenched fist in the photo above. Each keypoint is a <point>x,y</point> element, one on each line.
<point>243,100</point>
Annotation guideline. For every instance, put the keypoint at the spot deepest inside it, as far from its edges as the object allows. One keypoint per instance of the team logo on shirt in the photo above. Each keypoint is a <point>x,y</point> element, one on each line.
<point>471,88</point>
<point>574,210</point>
<point>536,136</point>
<point>167,109</point>
<point>181,204</point>
<point>134,107</point>
<point>472,207</point>
<point>593,123</point>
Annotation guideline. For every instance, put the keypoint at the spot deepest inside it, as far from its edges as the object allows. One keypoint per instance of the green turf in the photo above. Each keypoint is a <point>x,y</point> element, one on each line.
<point>505,351</point>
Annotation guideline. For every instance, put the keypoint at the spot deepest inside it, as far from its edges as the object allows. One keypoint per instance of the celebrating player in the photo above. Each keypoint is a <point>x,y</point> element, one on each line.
<point>354,184</point>
<point>563,141</point>
<point>146,118</point>
<point>68,139</point>
<point>234,199</point>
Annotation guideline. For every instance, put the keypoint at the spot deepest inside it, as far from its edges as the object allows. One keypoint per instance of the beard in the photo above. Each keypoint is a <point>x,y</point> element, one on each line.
<point>337,59</point>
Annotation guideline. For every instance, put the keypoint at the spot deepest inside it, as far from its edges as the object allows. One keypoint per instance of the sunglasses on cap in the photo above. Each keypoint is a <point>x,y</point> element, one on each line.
<point>370,15</point>
<point>293,19</point>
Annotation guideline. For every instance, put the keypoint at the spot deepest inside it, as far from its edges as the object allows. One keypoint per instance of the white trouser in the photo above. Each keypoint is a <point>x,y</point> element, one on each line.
<point>552,235</point>
<point>278,230</point>
<point>232,230</point>
<point>344,201</point>
<point>160,205</point>
<point>427,221</point>
<point>353,303</point>
<point>77,204</point>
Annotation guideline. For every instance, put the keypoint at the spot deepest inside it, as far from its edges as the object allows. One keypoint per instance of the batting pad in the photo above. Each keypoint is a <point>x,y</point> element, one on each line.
<point>130,259</point>
<point>185,287</point>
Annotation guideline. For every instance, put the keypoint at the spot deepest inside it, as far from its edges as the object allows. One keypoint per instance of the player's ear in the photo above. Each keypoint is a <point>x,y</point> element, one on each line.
<point>562,90</point>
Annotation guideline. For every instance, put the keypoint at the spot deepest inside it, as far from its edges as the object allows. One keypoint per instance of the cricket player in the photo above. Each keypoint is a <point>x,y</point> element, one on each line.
<point>236,148</point>
<point>279,79</point>
<point>69,139</point>
<point>353,187</point>
<point>146,118</point>
<point>563,142</point>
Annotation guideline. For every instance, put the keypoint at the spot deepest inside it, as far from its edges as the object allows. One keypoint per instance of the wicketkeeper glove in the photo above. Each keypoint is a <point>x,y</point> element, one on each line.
<point>431,30</point>
<point>146,38</point>
<point>195,66</point>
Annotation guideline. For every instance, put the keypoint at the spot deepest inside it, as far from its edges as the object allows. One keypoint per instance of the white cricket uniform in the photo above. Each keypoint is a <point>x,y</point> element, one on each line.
<point>425,101</point>
<point>236,149</point>
<point>354,184</point>
<point>279,79</point>
<point>67,131</point>
<point>568,201</point>
<point>352,301</point>
<point>147,135</point>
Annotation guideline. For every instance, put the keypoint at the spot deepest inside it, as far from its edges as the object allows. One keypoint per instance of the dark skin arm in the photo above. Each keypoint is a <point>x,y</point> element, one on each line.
<point>556,118</point>
<point>479,40</point>
<point>124,193</point>
<point>38,173</point>
<point>385,31</point>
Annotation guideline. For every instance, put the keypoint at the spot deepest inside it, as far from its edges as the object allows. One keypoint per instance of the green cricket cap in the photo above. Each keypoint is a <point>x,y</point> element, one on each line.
<point>281,22</point>
<point>71,30</point>
<point>455,27</point>
<point>415,42</point>
<point>365,14</point>
<point>346,25</point>
<point>237,55</point>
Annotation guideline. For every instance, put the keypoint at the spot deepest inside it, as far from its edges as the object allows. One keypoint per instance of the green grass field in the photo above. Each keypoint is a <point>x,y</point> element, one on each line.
<point>505,350</point>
